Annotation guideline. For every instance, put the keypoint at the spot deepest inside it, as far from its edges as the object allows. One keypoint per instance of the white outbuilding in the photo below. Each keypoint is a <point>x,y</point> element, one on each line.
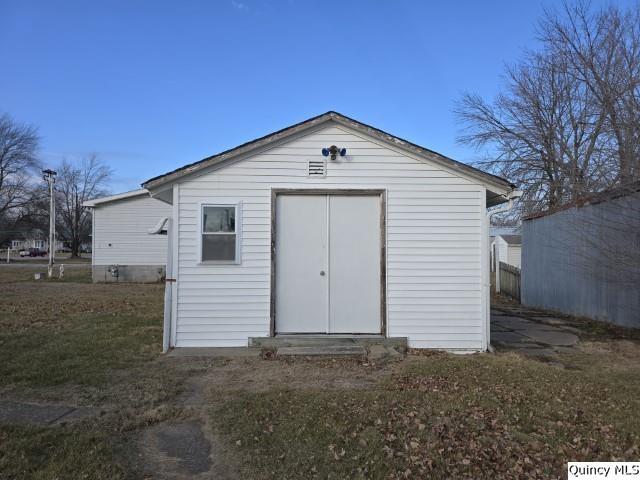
<point>123,248</point>
<point>507,248</point>
<point>328,227</point>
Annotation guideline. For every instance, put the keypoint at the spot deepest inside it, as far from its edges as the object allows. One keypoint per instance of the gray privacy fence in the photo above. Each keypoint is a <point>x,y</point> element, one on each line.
<point>509,279</point>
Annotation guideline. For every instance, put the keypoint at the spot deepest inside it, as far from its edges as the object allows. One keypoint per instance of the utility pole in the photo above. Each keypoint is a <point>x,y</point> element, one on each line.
<point>49,176</point>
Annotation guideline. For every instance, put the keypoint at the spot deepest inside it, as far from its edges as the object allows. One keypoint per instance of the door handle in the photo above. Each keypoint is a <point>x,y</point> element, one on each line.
<point>322,273</point>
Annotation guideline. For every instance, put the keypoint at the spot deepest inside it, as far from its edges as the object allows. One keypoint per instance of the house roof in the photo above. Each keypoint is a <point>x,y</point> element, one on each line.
<point>512,239</point>
<point>267,140</point>
<point>120,196</point>
<point>496,230</point>
<point>605,196</point>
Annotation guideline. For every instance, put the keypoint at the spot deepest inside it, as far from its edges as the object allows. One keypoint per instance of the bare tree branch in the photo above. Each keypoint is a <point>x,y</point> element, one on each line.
<point>568,122</point>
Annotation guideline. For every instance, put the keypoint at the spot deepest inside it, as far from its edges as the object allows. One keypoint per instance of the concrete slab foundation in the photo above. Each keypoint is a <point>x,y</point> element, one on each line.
<point>398,343</point>
<point>128,273</point>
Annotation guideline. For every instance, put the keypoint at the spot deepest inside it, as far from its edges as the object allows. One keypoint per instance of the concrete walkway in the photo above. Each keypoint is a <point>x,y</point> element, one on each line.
<point>534,336</point>
<point>19,413</point>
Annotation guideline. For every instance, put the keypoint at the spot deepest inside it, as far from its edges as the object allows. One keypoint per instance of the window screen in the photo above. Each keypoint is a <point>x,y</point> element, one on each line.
<point>219,236</point>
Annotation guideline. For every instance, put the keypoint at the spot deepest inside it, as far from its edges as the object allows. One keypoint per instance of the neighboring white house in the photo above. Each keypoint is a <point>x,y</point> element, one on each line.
<point>507,249</point>
<point>494,231</point>
<point>34,239</point>
<point>382,238</point>
<point>123,249</point>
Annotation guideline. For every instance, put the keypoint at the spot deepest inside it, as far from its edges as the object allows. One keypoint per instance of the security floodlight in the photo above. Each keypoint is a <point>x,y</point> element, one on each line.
<point>49,175</point>
<point>334,151</point>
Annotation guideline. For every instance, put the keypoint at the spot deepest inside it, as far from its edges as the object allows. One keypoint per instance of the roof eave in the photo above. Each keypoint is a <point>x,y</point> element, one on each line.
<point>114,198</point>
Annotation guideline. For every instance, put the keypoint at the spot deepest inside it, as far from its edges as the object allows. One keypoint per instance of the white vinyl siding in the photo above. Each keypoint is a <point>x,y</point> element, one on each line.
<point>506,253</point>
<point>434,224</point>
<point>502,251</point>
<point>120,232</point>
<point>513,255</point>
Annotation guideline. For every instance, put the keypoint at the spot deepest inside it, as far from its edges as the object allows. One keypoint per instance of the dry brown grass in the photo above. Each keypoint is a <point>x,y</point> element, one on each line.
<point>428,415</point>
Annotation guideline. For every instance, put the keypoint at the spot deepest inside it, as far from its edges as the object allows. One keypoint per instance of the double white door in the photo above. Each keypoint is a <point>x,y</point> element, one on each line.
<point>328,264</point>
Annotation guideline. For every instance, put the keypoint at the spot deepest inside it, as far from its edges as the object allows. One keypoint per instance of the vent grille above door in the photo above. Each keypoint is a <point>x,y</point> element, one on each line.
<point>317,168</point>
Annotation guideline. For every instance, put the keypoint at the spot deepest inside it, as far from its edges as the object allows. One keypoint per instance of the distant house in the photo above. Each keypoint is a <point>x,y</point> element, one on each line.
<point>123,250</point>
<point>584,259</point>
<point>23,244</point>
<point>499,252</point>
<point>506,249</point>
<point>329,226</point>
<point>35,238</point>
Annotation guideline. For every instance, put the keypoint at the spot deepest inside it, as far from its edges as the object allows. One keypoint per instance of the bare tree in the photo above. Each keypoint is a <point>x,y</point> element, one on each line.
<point>75,185</point>
<point>567,124</point>
<point>602,51</point>
<point>542,131</point>
<point>18,163</point>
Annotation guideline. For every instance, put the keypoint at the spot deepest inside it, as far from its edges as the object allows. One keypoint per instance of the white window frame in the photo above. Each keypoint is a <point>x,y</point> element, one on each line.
<point>238,233</point>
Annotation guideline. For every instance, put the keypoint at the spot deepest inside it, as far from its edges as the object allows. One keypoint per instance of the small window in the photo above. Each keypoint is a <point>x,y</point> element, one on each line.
<point>219,234</point>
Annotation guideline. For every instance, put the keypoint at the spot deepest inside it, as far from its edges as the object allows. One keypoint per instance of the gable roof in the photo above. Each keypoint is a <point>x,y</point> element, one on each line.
<point>512,239</point>
<point>112,198</point>
<point>497,230</point>
<point>267,140</point>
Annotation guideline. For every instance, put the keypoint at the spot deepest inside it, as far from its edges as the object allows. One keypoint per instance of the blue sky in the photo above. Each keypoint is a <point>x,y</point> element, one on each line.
<point>152,85</point>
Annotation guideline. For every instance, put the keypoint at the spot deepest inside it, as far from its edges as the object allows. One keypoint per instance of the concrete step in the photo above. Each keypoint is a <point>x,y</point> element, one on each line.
<point>381,352</point>
<point>326,350</point>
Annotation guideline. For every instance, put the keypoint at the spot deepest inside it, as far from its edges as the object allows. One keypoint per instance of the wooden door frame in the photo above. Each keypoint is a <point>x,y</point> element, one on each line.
<point>382,194</point>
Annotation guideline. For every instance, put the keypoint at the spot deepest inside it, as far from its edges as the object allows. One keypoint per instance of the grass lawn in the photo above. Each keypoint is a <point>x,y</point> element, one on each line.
<point>75,343</point>
<point>428,415</point>
<point>25,273</point>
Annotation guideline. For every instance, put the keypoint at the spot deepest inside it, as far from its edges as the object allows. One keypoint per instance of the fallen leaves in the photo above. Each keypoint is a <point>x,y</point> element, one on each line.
<point>443,417</point>
<point>433,383</point>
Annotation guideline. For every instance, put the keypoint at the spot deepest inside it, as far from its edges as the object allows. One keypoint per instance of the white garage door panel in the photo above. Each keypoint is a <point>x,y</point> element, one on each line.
<point>354,270</point>
<point>301,253</point>
<point>328,264</point>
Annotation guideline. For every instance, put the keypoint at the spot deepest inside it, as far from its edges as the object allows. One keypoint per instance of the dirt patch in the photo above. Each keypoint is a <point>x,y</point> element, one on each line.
<point>257,375</point>
<point>621,347</point>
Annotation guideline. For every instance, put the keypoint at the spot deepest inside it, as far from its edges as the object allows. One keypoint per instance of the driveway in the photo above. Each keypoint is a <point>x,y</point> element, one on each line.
<point>531,333</point>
